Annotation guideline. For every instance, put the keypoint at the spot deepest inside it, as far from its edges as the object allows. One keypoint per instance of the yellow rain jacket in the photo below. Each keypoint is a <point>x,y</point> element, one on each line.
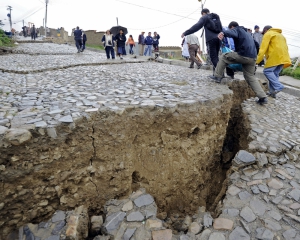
<point>275,48</point>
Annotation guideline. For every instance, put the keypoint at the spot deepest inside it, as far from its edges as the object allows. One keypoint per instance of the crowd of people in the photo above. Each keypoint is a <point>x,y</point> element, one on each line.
<point>246,49</point>
<point>31,31</point>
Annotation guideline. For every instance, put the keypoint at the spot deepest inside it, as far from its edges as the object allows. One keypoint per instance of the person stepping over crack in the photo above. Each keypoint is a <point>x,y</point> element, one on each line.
<point>245,54</point>
<point>275,48</point>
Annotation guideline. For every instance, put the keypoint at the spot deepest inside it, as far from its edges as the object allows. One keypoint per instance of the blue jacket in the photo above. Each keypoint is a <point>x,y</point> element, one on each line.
<point>243,41</point>
<point>228,42</point>
<point>149,40</point>
<point>84,38</point>
<point>121,40</point>
<point>104,40</point>
<point>156,39</point>
<point>77,34</point>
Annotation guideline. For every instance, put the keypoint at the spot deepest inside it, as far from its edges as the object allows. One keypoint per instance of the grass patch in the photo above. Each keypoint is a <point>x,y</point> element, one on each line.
<point>99,47</point>
<point>289,72</point>
<point>5,41</point>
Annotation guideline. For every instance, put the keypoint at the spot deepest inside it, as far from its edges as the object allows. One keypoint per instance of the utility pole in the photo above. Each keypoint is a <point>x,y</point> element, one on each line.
<point>117,22</point>
<point>47,1</point>
<point>202,6</point>
<point>10,8</point>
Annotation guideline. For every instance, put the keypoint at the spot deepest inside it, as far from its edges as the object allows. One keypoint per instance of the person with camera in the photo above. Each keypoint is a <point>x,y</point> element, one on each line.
<point>109,43</point>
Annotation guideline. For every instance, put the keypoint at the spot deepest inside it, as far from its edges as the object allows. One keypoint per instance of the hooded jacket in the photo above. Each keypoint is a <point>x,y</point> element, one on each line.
<point>243,41</point>
<point>275,48</point>
<point>209,35</point>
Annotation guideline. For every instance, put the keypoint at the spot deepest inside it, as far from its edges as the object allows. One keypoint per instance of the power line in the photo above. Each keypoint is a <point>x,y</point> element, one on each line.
<point>30,14</point>
<point>168,23</point>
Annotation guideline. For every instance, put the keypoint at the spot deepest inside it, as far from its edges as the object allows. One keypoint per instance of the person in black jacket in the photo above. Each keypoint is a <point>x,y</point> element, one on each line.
<point>121,40</point>
<point>212,41</point>
<point>84,39</point>
<point>245,54</point>
<point>78,39</point>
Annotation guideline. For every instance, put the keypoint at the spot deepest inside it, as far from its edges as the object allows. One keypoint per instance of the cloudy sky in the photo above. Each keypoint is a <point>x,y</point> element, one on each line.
<point>168,17</point>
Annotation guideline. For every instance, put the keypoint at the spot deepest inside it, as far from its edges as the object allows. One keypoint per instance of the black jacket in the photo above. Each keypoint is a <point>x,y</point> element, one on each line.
<point>243,41</point>
<point>209,35</point>
<point>84,38</point>
<point>121,40</point>
<point>77,34</point>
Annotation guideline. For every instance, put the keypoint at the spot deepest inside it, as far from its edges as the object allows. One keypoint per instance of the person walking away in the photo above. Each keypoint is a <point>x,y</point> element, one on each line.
<point>84,39</point>
<point>78,39</point>
<point>131,43</point>
<point>185,49</point>
<point>33,32</point>
<point>257,36</point>
<point>156,38</point>
<point>194,48</point>
<point>213,26</point>
<point>121,40</point>
<point>148,43</point>
<point>245,54</point>
<point>37,32</point>
<point>24,31</point>
<point>141,43</point>
<point>275,48</point>
<point>109,43</point>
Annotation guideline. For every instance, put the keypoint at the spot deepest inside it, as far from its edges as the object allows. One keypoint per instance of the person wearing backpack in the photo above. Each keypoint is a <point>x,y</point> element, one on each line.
<point>212,26</point>
<point>148,43</point>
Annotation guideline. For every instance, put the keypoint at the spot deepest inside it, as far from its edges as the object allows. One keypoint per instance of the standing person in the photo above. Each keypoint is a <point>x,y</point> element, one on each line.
<point>109,43</point>
<point>213,26</point>
<point>245,54</point>
<point>28,31</point>
<point>156,38</point>
<point>121,40</point>
<point>194,48</point>
<point>78,39</point>
<point>257,36</point>
<point>33,32</point>
<point>141,44</point>
<point>131,43</point>
<point>37,32</point>
<point>148,43</point>
<point>84,39</point>
<point>185,49</point>
<point>275,48</point>
<point>24,31</point>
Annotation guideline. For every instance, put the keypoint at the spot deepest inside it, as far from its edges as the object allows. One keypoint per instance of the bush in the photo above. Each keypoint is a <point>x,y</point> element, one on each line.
<point>289,72</point>
<point>5,40</point>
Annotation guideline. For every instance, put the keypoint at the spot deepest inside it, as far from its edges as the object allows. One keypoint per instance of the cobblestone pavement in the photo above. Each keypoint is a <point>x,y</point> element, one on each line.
<point>263,196</point>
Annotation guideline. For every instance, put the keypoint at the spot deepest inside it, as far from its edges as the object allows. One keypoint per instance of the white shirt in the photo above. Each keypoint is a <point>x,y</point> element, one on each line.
<point>192,39</point>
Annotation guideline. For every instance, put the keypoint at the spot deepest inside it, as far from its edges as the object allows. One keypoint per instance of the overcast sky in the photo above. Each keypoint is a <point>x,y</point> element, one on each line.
<point>168,17</point>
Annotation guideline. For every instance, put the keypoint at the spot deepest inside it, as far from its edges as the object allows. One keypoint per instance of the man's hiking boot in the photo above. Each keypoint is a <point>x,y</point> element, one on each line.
<point>217,79</point>
<point>262,101</point>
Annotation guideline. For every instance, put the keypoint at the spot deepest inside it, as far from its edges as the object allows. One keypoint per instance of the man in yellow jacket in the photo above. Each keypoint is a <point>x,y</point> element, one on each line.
<point>275,48</point>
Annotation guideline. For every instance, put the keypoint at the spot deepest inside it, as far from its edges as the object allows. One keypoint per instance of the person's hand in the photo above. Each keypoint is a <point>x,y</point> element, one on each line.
<point>182,35</point>
<point>221,36</point>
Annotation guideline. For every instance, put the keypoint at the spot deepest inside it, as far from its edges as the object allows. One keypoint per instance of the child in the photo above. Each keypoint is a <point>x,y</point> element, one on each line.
<point>131,43</point>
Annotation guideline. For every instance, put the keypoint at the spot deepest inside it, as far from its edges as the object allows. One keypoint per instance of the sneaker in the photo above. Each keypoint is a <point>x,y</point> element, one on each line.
<point>191,66</point>
<point>199,66</point>
<point>262,101</point>
<point>217,80</point>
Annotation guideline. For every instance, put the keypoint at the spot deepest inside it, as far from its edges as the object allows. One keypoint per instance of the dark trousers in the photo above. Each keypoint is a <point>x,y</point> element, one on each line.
<point>83,45</point>
<point>155,46</point>
<point>110,50</point>
<point>193,52</point>
<point>78,43</point>
<point>214,46</point>
<point>33,36</point>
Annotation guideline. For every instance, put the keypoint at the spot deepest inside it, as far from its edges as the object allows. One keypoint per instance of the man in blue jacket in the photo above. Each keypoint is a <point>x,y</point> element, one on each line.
<point>78,38</point>
<point>245,54</point>
<point>148,43</point>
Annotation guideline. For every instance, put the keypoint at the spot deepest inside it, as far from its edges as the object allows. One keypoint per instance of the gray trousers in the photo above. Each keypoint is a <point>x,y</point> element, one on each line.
<point>193,49</point>
<point>248,70</point>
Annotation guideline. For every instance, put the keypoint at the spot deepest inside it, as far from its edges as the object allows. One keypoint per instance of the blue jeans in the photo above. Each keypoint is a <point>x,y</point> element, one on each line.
<point>130,48</point>
<point>148,48</point>
<point>272,74</point>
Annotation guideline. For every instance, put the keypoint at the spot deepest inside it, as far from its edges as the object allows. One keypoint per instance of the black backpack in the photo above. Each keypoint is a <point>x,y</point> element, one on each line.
<point>214,23</point>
